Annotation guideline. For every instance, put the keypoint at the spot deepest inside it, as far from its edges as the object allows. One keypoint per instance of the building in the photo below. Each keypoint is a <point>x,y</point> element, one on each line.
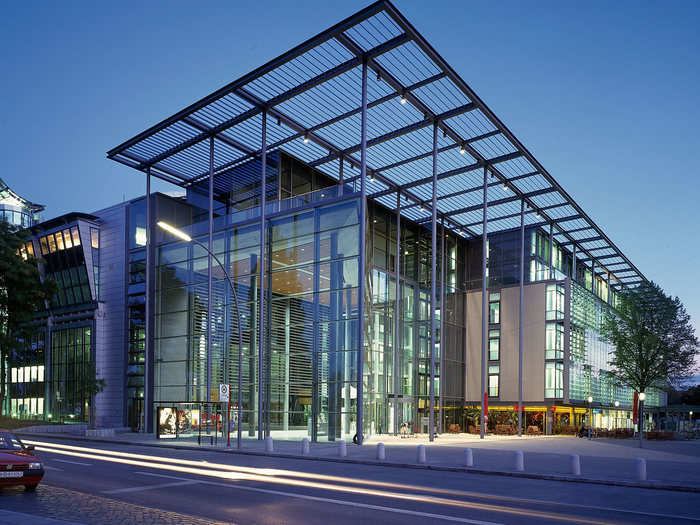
<point>357,161</point>
<point>17,210</point>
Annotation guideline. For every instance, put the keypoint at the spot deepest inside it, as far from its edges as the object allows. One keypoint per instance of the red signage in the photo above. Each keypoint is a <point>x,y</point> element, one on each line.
<point>635,405</point>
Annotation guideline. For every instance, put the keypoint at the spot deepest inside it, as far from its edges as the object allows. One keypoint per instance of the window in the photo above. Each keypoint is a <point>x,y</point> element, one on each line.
<point>494,371</point>
<point>554,341</point>
<point>494,308</point>
<point>555,302</point>
<point>494,344</point>
<point>76,236</point>
<point>554,380</point>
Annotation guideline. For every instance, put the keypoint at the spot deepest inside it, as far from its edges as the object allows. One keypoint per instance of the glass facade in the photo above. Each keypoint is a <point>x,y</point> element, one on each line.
<point>589,355</point>
<point>310,344</point>
<point>71,356</point>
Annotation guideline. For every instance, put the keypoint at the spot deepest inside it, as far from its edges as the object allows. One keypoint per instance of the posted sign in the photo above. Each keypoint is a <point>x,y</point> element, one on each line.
<point>223,392</point>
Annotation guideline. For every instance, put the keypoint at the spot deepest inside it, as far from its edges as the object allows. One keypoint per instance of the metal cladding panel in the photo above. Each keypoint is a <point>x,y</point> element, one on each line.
<point>110,347</point>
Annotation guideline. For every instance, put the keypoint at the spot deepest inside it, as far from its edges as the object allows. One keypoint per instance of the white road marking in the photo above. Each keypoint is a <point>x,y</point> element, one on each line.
<point>152,487</point>
<point>46,467</point>
<point>337,501</point>
<point>449,518</point>
<point>73,462</point>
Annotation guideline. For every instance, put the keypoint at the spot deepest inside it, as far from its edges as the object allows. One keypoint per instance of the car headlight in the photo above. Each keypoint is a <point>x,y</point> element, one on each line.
<point>35,466</point>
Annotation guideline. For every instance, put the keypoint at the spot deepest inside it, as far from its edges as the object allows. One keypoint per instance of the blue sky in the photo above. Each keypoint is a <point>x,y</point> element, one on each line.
<point>605,94</point>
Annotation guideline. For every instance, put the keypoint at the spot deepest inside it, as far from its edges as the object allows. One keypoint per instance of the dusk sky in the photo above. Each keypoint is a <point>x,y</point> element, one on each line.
<point>604,94</point>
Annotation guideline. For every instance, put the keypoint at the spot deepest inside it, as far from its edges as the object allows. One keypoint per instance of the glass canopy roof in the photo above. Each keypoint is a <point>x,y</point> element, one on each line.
<point>312,98</point>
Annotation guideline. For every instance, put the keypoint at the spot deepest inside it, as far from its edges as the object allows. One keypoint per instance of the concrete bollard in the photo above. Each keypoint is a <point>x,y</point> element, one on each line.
<point>519,463</point>
<point>575,464</point>
<point>269,446</point>
<point>381,453</point>
<point>305,447</point>
<point>468,457</point>
<point>342,448</point>
<point>641,468</point>
<point>421,454</point>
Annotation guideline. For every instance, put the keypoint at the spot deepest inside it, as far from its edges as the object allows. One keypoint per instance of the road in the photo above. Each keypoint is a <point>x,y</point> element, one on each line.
<point>111,484</point>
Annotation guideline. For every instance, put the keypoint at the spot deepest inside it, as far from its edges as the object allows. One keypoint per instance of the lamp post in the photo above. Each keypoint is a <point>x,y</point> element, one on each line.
<point>590,416</point>
<point>690,421</point>
<point>183,236</point>
<point>642,397</point>
<point>617,413</point>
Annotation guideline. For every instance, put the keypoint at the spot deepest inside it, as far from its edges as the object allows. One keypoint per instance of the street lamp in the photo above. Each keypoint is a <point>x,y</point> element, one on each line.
<point>590,416</point>
<point>617,412</point>
<point>642,397</point>
<point>183,236</point>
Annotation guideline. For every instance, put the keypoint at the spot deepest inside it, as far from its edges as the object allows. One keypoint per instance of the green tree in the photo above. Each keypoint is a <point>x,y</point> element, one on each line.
<point>22,294</point>
<point>90,386</point>
<point>654,340</point>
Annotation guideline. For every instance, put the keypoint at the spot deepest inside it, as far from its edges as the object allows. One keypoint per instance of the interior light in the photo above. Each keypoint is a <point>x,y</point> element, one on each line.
<point>462,150</point>
<point>371,177</point>
<point>403,99</point>
<point>306,138</point>
<point>642,396</point>
<point>505,187</point>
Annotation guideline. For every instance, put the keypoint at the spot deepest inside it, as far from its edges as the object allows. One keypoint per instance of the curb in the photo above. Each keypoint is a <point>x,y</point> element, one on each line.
<point>375,463</point>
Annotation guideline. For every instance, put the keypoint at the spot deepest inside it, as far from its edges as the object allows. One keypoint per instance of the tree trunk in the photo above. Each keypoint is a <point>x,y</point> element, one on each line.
<point>3,372</point>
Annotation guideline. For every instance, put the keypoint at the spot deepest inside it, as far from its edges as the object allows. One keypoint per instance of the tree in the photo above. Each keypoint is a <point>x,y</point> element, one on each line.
<point>22,294</point>
<point>653,338</point>
<point>90,386</point>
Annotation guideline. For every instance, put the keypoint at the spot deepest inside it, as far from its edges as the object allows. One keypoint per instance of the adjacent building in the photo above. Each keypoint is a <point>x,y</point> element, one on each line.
<point>394,250</point>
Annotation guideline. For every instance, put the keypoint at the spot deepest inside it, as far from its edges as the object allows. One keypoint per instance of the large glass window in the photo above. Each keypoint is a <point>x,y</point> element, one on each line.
<point>495,308</point>
<point>494,374</point>
<point>554,341</point>
<point>554,380</point>
<point>70,363</point>
<point>494,345</point>
<point>555,302</point>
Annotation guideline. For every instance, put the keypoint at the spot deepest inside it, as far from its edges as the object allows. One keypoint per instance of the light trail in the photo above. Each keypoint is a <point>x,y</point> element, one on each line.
<point>249,476</point>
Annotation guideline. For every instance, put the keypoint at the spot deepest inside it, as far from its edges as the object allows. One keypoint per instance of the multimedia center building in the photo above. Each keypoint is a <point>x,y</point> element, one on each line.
<point>356,191</point>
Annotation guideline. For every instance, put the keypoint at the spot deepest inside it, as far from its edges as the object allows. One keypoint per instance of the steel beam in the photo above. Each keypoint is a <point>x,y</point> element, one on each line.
<point>520,318</point>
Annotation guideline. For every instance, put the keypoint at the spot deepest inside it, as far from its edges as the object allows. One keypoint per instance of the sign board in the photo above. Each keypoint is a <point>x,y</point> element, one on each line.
<point>224,393</point>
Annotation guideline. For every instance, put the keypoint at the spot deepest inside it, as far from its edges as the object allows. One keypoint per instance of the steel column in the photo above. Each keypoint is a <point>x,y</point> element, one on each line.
<point>433,279</point>
<point>397,313</point>
<point>484,302</point>
<point>363,229</point>
<point>148,384</point>
<point>521,323</point>
<point>551,250</point>
<point>441,397</point>
<point>341,162</point>
<point>593,276</point>
<point>210,246</point>
<point>261,294</point>
<point>573,264</point>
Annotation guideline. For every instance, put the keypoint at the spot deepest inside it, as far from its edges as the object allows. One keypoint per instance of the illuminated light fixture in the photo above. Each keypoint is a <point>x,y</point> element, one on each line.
<point>538,214</point>
<point>505,187</point>
<point>462,150</point>
<point>642,396</point>
<point>617,403</point>
<point>379,76</point>
<point>403,99</point>
<point>590,399</point>
<point>306,138</point>
<point>371,177</point>
<point>174,231</point>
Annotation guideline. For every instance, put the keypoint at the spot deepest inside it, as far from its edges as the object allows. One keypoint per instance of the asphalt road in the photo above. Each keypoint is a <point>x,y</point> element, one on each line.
<point>93,483</point>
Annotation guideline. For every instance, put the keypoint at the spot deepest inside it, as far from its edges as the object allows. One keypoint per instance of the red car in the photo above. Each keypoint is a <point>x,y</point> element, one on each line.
<point>18,464</point>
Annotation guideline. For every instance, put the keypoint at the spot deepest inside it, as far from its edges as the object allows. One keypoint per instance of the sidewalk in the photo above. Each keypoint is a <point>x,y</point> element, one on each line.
<point>670,464</point>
